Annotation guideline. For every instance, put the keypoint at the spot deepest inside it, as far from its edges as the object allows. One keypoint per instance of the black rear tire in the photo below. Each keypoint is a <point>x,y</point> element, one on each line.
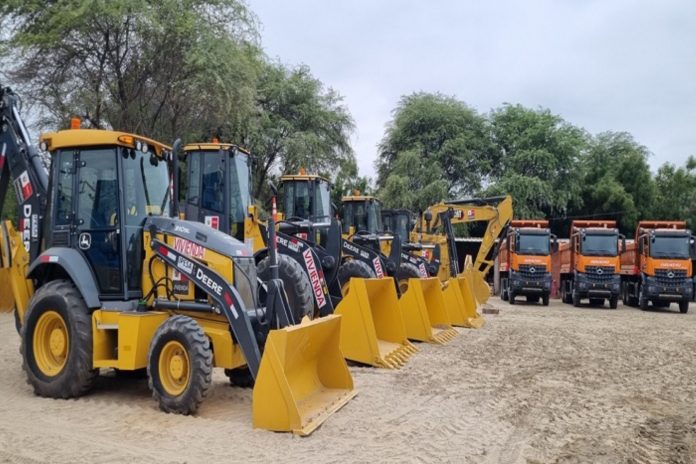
<point>512,297</point>
<point>545,300</point>
<point>684,306</point>
<point>183,333</point>
<point>296,283</point>
<point>614,302</point>
<point>576,299</point>
<point>406,271</point>
<point>76,376</point>
<point>240,377</point>
<point>353,268</point>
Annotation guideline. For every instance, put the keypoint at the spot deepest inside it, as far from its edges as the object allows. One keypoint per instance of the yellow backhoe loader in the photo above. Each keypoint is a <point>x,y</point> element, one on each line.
<point>435,227</point>
<point>218,193</point>
<point>93,268</point>
<point>423,307</point>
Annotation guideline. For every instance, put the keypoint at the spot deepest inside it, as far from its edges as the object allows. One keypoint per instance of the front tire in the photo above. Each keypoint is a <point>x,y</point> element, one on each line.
<point>406,271</point>
<point>642,299</point>
<point>684,306</point>
<point>296,283</point>
<point>56,342</point>
<point>512,297</point>
<point>352,268</point>
<point>180,365</point>
<point>614,302</point>
<point>545,300</point>
<point>576,298</point>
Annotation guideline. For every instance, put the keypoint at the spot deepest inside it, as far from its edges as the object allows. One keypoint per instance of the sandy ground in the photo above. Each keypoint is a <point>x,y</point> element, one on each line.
<point>536,385</point>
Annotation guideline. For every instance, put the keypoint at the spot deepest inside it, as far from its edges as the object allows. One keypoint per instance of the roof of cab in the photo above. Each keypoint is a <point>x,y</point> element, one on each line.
<point>71,138</point>
<point>358,198</point>
<point>210,146</point>
<point>303,177</point>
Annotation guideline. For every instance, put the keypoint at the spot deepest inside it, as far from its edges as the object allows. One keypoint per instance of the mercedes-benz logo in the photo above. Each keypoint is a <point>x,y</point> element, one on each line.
<point>532,270</point>
<point>670,274</point>
<point>600,271</point>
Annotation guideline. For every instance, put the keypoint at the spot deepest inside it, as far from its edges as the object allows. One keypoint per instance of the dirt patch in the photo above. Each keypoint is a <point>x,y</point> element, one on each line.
<point>536,384</point>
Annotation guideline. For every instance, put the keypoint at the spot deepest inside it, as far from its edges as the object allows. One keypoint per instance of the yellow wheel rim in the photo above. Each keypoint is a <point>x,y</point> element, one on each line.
<point>174,368</point>
<point>51,343</point>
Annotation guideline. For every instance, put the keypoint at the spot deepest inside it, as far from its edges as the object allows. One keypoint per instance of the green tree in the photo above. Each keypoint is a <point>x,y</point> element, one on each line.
<point>162,68</point>
<point>539,154</point>
<point>676,193</point>
<point>435,147</point>
<point>617,182</point>
<point>297,123</point>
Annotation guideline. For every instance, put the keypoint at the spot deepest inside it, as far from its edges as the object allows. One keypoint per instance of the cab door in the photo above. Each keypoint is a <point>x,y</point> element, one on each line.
<point>98,217</point>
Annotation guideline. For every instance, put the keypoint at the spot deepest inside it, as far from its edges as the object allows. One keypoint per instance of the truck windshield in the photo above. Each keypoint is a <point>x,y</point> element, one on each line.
<point>670,247</point>
<point>239,187</point>
<point>533,244</point>
<point>600,245</point>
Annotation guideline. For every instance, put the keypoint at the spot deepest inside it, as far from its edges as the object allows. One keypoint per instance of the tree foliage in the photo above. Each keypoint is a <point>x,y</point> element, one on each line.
<point>435,147</point>
<point>676,192</point>
<point>539,154</point>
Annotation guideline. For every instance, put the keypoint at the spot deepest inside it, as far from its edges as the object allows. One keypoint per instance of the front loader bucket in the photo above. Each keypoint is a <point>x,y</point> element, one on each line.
<point>7,302</point>
<point>424,312</point>
<point>461,306</point>
<point>372,328</point>
<point>303,378</point>
<point>474,319</point>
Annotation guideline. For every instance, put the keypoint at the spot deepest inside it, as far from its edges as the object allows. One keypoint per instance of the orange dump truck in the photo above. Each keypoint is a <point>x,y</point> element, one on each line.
<point>656,267</point>
<point>590,264</point>
<point>525,261</point>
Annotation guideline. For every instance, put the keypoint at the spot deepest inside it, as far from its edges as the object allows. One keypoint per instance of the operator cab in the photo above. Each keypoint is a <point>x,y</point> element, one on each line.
<point>306,206</point>
<point>362,215</point>
<point>398,222</point>
<point>209,198</point>
<point>104,185</point>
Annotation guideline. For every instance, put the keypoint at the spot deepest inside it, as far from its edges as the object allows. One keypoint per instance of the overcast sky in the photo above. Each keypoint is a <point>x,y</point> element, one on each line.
<point>602,65</point>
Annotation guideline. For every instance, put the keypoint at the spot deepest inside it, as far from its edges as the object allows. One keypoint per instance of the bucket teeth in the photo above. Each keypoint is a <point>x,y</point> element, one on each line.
<point>445,336</point>
<point>399,357</point>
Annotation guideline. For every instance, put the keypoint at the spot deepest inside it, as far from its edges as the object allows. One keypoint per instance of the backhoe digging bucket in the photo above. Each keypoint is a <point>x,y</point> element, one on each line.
<point>303,378</point>
<point>424,312</point>
<point>6,297</point>
<point>474,319</point>
<point>372,328</point>
<point>481,289</point>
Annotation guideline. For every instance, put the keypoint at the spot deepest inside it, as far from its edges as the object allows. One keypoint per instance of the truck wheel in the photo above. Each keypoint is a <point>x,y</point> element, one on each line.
<point>614,302</point>
<point>352,268</point>
<point>296,283</point>
<point>642,299</point>
<point>56,342</point>
<point>545,300</point>
<point>180,365</point>
<point>512,297</point>
<point>576,299</point>
<point>406,271</point>
<point>504,292</point>
<point>684,306</point>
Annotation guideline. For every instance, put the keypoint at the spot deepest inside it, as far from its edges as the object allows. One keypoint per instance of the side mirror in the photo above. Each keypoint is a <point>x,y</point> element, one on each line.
<point>693,247</point>
<point>623,243</point>
<point>554,243</point>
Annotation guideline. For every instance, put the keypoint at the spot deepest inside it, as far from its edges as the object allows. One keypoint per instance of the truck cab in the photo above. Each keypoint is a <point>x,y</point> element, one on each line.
<point>591,268</point>
<point>663,268</point>
<point>525,261</point>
